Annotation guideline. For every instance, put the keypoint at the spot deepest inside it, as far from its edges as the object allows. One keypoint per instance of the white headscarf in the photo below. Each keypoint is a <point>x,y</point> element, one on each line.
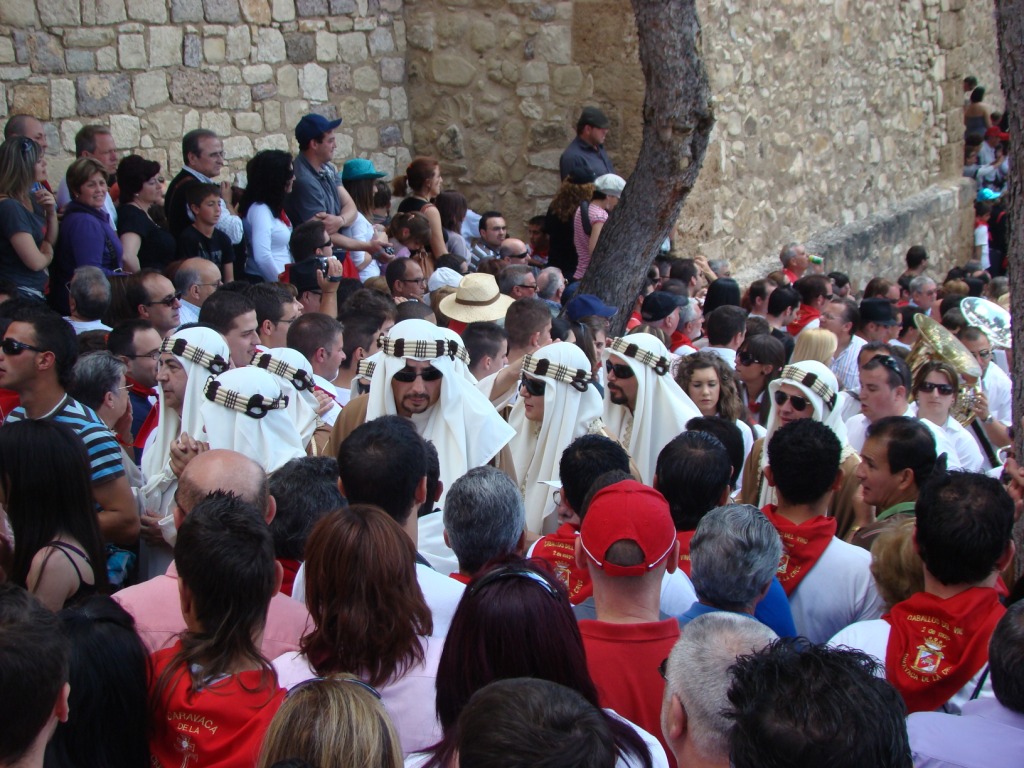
<point>569,412</point>
<point>270,440</point>
<point>463,425</point>
<point>662,407</point>
<point>302,403</point>
<point>821,388</point>
<point>203,343</point>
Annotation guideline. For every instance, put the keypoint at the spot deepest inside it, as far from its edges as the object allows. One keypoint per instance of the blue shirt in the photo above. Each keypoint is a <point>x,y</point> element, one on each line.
<point>773,611</point>
<point>579,154</point>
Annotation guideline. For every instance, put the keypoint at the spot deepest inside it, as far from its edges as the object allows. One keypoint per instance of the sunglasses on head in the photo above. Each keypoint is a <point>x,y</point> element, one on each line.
<point>409,375</point>
<point>13,347</point>
<point>621,370</point>
<point>931,386</point>
<point>534,387</point>
<point>799,403</point>
<point>167,301</point>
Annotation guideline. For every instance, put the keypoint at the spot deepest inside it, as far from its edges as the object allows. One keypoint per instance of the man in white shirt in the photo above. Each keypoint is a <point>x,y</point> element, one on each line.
<point>321,340</point>
<point>88,299</point>
<point>726,328</point>
<point>203,153</point>
<point>995,408</point>
<point>93,141</point>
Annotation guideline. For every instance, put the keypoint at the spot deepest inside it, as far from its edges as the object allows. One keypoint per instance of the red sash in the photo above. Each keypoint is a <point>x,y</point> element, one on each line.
<point>559,549</point>
<point>684,537</point>
<point>151,422</point>
<point>803,318</point>
<point>802,545</point>
<point>460,577</point>
<point>936,646</point>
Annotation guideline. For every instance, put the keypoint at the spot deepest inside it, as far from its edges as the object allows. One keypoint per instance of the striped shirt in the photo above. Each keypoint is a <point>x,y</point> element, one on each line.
<point>100,443</point>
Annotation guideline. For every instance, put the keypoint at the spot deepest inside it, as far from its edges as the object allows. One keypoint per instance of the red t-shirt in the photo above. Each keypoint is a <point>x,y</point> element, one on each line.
<point>221,726</point>
<point>559,549</point>
<point>623,660</point>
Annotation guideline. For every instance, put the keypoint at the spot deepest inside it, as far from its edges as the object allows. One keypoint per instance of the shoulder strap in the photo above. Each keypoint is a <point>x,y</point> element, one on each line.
<point>585,217</point>
<point>63,548</point>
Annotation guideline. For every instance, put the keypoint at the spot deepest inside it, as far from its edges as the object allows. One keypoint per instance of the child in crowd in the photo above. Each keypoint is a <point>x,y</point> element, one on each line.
<point>203,239</point>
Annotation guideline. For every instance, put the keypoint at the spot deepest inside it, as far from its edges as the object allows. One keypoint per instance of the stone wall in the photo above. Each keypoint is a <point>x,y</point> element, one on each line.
<point>248,69</point>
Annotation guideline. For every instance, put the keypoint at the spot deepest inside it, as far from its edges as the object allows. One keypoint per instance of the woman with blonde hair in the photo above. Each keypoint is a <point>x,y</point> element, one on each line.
<point>815,344</point>
<point>337,722</point>
<point>420,185</point>
<point>370,619</point>
<point>895,564</point>
<point>28,216</point>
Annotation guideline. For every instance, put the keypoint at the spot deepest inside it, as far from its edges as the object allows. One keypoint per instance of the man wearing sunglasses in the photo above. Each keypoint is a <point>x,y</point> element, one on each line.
<point>423,375</point>
<point>884,385</point>
<point>154,298</point>
<point>994,408</point>
<point>37,357</point>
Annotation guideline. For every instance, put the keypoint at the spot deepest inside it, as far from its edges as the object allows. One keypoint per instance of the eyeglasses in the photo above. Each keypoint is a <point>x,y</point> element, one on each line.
<point>931,386</point>
<point>12,347</point>
<point>557,497</point>
<point>409,375</point>
<point>621,370</point>
<point>533,387</point>
<point>511,572</point>
<point>218,284</point>
<point>799,403</point>
<point>328,244</point>
<point>167,301</point>
<point>154,355</point>
<point>420,280</point>
<point>529,287</point>
<point>745,358</point>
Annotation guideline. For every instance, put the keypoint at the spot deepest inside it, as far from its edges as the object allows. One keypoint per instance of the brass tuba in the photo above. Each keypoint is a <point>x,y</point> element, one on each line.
<point>937,343</point>
<point>990,318</point>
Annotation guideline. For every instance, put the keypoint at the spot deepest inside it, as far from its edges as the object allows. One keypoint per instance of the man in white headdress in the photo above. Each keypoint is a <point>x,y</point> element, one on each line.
<point>245,411</point>
<point>187,359</point>
<point>295,375</point>
<point>644,407</point>
<point>557,403</point>
<point>419,375</point>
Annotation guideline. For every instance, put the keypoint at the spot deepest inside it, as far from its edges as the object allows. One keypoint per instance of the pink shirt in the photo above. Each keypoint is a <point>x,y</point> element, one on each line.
<point>581,239</point>
<point>158,620</point>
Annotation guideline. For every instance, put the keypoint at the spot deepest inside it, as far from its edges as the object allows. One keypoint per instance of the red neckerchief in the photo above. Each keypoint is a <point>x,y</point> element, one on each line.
<point>138,389</point>
<point>284,217</point>
<point>684,538</point>
<point>559,549</point>
<point>803,318</point>
<point>678,340</point>
<point>936,646</point>
<point>802,545</point>
<point>460,577</point>
<point>151,423</point>
<point>9,400</point>
<point>291,568</point>
<point>791,276</point>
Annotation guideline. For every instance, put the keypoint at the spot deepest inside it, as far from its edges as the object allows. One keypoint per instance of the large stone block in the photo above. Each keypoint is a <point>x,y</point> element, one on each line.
<point>222,11</point>
<point>390,136</point>
<point>381,41</point>
<point>250,122</point>
<point>18,13</point>
<point>308,8</point>
<point>326,46</point>
<point>92,37</point>
<point>449,69</point>
<point>79,60</point>
<point>165,46</point>
<point>59,13</point>
<point>186,11</point>
<point>131,52</point>
<point>392,70</point>
<point>150,89</point>
<point>256,11</point>
<point>106,59</point>
<point>192,51</point>
<point>153,11</point>
<point>282,10</point>
<point>377,110</point>
<point>103,94</point>
<point>342,7</point>
<point>339,78</point>
<point>300,48</point>
<point>62,99</point>
<point>14,73</point>
<point>352,48</point>
<point>366,80</point>
<point>270,45</point>
<point>45,53</point>
<point>236,97</point>
<point>125,130</point>
<point>218,122</point>
<point>68,129</point>
<point>110,12</point>
<point>239,44</point>
<point>263,91</point>
<point>257,73</point>
<point>214,50</point>
<point>288,81</point>
<point>553,45</point>
<point>195,88</point>
<point>399,104</point>
<point>273,141</point>
<point>313,81</point>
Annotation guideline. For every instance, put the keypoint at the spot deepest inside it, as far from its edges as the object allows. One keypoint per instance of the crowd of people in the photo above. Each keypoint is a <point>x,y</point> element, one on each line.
<point>301,474</point>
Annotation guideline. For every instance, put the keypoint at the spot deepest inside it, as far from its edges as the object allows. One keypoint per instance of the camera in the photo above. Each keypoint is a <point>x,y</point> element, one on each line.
<point>321,264</point>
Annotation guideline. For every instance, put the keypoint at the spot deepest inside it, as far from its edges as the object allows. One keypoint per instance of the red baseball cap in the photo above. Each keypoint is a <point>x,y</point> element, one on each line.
<point>628,511</point>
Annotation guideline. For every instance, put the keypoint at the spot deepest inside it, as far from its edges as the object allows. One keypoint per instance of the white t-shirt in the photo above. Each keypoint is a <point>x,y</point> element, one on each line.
<point>857,429</point>
<point>268,243</point>
<point>971,457</point>
<point>839,590</point>
<point>998,388</point>
<point>981,240</point>
<point>872,637</point>
<point>361,229</point>
<point>677,593</point>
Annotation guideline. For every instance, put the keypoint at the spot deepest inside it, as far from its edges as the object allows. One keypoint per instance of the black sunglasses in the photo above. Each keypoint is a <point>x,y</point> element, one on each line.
<point>534,387</point>
<point>799,403</point>
<point>931,386</point>
<point>621,370</point>
<point>409,375</point>
<point>13,347</point>
<point>167,301</point>
<point>745,358</point>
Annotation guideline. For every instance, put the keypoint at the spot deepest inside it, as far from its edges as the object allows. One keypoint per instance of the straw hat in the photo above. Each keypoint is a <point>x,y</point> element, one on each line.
<point>476,299</point>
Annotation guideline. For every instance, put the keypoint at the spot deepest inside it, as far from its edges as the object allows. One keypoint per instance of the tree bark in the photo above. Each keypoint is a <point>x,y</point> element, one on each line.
<point>678,117</point>
<point>1010,35</point>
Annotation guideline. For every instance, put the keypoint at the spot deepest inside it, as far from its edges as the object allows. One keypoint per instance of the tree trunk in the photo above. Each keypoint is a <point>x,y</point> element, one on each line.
<point>1010,34</point>
<point>678,118</point>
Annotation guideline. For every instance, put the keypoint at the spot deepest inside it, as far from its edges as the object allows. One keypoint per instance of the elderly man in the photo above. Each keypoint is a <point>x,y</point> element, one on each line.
<point>203,153</point>
<point>196,280</point>
<point>154,603</point>
<point>423,375</point>
<point>922,293</point>
<point>644,407</point>
<point>93,141</point>
<point>517,281</point>
<point>550,285</point>
<point>483,519</point>
<point>697,679</point>
<point>794,260</point>
<point>513,251</point>
<point>88,300</point>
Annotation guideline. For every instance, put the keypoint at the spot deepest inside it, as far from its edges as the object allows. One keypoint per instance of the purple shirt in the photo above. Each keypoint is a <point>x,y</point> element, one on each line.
<point>985,735</point>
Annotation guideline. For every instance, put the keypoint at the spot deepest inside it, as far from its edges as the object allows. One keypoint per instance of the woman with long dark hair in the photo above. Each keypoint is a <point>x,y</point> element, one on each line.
<point>359,177</point>
<point>759,362</point>
<point>146,243</point>
<point>108,670</point>
<point>47,492</point>
<point>267,228</point>
<point>28,216</point>
<point>453,208</point>
<point>514,620</point>
<point>370,618</point>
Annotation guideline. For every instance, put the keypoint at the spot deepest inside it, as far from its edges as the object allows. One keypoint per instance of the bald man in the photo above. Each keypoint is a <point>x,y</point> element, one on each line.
<point>155,604</point>
<point>197,279</point>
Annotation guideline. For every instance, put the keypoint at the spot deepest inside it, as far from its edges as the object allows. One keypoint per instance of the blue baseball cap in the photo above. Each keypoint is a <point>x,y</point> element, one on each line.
<point>314,126</point>
<point>585,305</point>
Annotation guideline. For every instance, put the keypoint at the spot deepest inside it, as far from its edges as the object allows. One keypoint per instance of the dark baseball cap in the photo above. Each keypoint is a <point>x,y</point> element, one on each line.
<point>593,116</point>
<point>659,305</point>
<point>585,305</point>
<point>313,126</point>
